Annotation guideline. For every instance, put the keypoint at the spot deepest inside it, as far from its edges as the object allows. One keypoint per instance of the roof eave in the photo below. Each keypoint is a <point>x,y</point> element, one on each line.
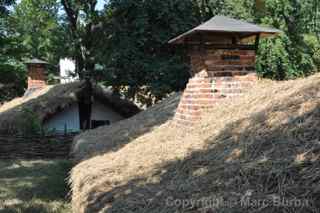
<point>36,61</point>
<point>178,39</point>
<point>182,36</point>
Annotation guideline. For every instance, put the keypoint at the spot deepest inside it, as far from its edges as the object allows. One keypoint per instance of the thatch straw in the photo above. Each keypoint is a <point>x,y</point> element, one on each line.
<point>261,147</point>
<point>111,138</point>
<point>52,99</point>
<point>42,103</point>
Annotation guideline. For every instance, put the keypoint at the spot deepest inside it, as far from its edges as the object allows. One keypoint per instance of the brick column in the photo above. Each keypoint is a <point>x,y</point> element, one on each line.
<point>36,76</point>
<point>218,74</point>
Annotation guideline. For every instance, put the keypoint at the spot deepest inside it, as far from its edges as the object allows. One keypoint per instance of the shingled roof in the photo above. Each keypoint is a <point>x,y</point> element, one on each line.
<point>223,25</point>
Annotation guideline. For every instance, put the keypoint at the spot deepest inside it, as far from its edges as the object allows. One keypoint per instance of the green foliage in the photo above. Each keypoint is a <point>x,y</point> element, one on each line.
<point>84,27</point>
<point>32,29</point>
<point>29,123</point>
<point>313,42</point>
<point>293,54</point>
<point>279,59</point>
<point>137,55</point>
<point>12,71</point>
<point>290,55</point>
<point>4,6</point>
<point>37,24</point>
<point>125,45</point>
<point>12,80</point>
<point>273,60</point>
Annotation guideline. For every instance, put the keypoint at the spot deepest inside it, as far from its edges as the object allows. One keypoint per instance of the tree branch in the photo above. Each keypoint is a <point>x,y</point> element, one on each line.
<point>71,14</point>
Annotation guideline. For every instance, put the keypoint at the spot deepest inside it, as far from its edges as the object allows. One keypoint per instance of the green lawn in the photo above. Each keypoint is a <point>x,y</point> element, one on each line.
<point>34,186</point>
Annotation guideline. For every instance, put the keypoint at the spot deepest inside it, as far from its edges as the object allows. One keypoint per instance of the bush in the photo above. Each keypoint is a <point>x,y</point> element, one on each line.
<point>279,59</point>
<point>29,124</point>
<point>313,42</point>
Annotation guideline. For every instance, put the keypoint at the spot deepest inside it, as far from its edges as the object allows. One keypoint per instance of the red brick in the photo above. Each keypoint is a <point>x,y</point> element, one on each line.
<point>221,79</point>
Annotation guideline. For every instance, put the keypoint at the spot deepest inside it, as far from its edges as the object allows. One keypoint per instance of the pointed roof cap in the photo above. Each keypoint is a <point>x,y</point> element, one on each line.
<point>36,61</point>
<point>222,24</point>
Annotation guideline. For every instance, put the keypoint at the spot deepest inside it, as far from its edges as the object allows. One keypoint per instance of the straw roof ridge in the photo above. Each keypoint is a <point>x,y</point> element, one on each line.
<point>110,138</point>
<point>118,103</point>
<point>46,102</point>
<point>261,146</point>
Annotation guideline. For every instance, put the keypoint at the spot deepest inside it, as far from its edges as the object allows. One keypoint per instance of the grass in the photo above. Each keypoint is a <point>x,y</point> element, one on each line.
<point>34,186</point>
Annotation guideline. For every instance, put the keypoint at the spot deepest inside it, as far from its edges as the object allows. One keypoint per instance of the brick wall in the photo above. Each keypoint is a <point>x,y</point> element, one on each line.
<point>218,74</point>
<point>36,76</point>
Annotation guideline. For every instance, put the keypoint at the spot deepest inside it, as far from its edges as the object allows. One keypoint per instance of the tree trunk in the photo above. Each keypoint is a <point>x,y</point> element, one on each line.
<point>83,55</point>
<point>85,105</point>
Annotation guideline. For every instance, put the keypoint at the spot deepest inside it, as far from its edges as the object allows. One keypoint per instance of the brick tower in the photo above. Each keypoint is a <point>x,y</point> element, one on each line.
<point>222,55</point>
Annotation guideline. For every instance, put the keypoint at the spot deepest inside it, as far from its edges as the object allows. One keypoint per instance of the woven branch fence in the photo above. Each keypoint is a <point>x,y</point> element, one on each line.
<point>35,147</point>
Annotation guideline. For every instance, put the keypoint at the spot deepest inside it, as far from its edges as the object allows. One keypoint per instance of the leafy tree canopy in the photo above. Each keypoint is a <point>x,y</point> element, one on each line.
<point>292,54</point>
<point>136,56</point>
<point>125,44</point>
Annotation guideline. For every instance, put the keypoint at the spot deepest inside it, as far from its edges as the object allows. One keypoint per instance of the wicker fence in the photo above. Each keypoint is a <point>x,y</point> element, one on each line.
<point>35,147</point>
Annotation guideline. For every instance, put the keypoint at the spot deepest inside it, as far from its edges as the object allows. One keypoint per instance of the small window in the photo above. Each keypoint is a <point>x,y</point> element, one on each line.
<point>97,123</point>
<point>230,57</point>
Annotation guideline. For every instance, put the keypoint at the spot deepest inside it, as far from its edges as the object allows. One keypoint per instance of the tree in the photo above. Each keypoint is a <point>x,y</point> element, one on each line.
<point>4,4</point>
<point>11,70</point>
<point>40,28</point>
<point>290,55</point>
<point>205,10</point>
<point>311,17</point>
<point>83,20</point>
<point>136,55</point>
<point>29,29</point>
<point>296,55</point>
<point>125,45</point>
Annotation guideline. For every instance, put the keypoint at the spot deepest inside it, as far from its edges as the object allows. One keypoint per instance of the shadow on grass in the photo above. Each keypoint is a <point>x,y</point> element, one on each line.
<point>253,159</point>
<point>34,186</point>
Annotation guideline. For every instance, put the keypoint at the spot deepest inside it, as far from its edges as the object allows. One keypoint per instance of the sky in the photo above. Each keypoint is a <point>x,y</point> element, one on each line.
<point>100,4</point>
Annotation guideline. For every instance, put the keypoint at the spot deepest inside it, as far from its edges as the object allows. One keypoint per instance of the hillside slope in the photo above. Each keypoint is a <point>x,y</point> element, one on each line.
<point>257,153</point>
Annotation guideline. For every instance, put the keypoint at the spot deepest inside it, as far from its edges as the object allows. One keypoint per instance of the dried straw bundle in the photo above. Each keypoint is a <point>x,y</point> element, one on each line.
<point>258,153</point>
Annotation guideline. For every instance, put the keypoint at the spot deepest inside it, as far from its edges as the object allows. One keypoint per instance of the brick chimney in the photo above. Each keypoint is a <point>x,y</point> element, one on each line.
<point>222,55</point>
<point>37,75</point>
<point>217,74</point>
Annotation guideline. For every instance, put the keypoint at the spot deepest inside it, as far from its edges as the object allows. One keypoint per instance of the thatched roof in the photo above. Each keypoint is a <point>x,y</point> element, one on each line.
<point>225,25</point>
<point>48,101</point>
<point>263,146</point>
<point>111,138</point>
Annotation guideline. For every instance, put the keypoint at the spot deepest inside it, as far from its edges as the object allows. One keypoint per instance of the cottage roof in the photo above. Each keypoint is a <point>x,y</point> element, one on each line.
<point>50,100</point>
<point>226,25</point>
